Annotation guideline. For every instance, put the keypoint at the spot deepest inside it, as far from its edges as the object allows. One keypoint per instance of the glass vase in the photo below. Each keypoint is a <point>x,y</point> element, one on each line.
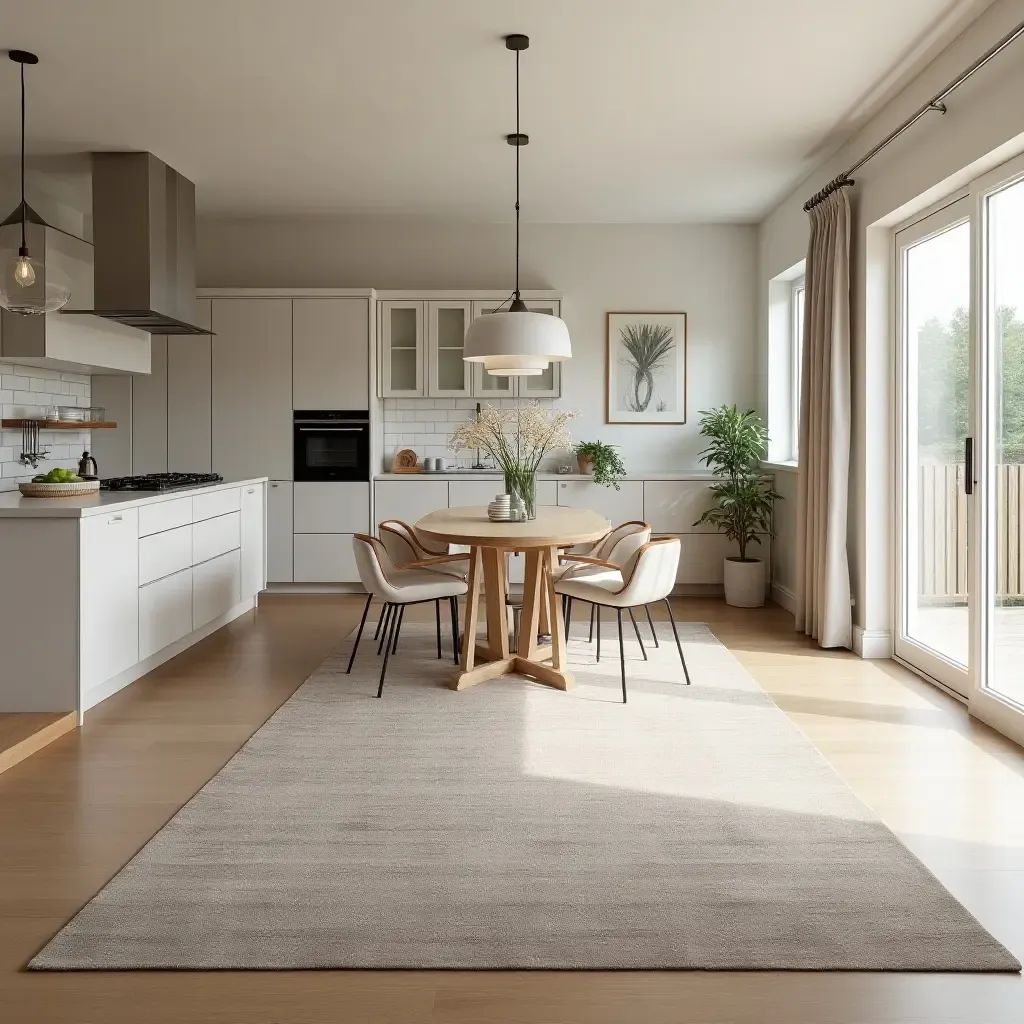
<point>522,485</point>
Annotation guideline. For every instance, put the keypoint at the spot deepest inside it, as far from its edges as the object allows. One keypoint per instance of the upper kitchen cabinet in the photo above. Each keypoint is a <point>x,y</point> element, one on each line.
<point>252,387</point>
<point>402,338</point>
<point>331,357</point>
<point>448,375</point>
<point>549,383</point>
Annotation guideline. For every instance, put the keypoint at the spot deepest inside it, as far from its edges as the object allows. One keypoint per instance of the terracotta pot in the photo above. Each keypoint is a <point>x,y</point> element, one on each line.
<point>744,583</point>
<point>586,463</point>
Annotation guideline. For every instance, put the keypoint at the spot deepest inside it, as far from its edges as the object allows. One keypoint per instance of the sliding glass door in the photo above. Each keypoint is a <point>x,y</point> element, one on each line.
<point>934,302</point>
<point>960,447</point>
<point>998,693</point>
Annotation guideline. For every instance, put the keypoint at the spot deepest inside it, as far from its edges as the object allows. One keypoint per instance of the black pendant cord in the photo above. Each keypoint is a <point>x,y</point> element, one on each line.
<point>517,171</point>
<point>24,242</point>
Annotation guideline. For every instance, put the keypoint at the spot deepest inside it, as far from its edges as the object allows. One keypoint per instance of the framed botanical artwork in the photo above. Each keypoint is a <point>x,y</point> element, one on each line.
<point>646,368</point>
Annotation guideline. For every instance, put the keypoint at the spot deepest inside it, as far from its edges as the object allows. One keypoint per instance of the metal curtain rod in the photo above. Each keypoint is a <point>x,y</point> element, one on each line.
<point>935,104</point>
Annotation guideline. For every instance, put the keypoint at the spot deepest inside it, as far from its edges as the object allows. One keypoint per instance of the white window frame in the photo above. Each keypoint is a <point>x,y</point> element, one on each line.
<point>797,297</point>
<point>784,353</point>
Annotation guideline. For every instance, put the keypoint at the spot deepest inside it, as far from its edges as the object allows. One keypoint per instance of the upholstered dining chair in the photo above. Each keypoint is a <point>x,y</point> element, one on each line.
<point>407,549</point>
<point>613,550</point>
<point>397,588</point>
<point>647,576</point>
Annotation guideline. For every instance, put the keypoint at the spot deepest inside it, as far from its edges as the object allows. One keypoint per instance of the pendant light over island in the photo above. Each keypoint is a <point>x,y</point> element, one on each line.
<point>516,342</point>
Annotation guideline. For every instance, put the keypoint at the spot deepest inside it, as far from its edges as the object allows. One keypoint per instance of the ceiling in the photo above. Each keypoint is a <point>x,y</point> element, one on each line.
<point>637,110</point>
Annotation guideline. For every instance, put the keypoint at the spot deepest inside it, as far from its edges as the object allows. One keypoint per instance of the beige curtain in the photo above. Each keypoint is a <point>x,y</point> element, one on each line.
<point>823,572</point>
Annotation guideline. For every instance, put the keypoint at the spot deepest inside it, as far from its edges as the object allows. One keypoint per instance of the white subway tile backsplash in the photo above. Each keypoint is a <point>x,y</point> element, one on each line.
<point>29,392</point>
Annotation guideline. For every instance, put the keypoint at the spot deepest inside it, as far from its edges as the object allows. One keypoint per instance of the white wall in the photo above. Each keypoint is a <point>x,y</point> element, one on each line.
<point>707,271</point>
<point>984,126</point>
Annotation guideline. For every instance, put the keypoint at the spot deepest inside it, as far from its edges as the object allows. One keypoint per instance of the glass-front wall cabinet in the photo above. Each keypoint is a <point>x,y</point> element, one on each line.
<point>401,349</point>
<point>422,344</point>
<point>448,375</point>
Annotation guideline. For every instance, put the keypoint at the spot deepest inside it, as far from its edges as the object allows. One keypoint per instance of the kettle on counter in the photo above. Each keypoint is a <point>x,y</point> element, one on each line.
<point>87,468</point>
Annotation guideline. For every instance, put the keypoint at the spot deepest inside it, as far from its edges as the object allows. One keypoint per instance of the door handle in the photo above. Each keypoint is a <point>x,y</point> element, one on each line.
<point>116,519</point>
<point>332,430</point>
<point>968,465</point>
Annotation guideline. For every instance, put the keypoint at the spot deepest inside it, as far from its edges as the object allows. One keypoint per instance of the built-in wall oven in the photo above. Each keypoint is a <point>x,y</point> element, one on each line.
<point>331,444</point>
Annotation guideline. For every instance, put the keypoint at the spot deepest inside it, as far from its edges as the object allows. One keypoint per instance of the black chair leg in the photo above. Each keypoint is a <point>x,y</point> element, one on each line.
<point>390,637</point>
<point>679,646</point>
<point>568,614</point>
<point>437,616</point>
<point>389,610</point>
<point>593,608</point>
<point>636,629</point>
<point>598,616</point>
<point>362,622</point>
<point>622,655</point>
<point>650,622</point>
<point>454,604</point>
<point>380,623</point>
<point>401,615</point>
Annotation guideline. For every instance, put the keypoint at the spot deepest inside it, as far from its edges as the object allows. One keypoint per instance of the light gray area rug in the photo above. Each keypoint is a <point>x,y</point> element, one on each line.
<point>516,826</point>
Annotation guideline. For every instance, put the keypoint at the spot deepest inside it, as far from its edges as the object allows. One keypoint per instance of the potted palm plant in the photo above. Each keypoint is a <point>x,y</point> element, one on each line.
<point>603,461</point>
<point>745,497</point>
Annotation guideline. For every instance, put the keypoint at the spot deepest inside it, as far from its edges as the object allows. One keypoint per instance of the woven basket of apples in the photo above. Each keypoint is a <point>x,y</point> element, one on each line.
<point>58,483</point>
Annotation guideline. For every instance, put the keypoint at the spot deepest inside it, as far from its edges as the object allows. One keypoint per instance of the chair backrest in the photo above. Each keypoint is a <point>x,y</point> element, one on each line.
<point>650,572</point>
<point>622,542</point>
<point>399,542</point>
<point>374,564</point>
<point>404,544</point>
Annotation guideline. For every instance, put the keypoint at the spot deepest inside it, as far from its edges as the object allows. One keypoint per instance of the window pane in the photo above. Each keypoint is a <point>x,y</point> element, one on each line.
<point>798,361</point>
<point>1006,348</point>
<point>937,326</point>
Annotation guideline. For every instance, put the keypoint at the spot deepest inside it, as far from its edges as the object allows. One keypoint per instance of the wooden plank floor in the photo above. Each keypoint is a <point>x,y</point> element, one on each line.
<point>74,813</point>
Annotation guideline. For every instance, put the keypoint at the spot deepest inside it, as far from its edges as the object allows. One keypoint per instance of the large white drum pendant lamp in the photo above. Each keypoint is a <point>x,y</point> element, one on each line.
<point>517,342</point>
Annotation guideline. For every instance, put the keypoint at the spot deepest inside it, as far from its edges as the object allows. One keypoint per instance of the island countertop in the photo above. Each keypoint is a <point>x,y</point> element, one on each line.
<point>14,505</point>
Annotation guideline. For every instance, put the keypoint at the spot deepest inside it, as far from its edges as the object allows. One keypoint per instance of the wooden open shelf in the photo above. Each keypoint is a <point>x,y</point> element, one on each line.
<point>60,424</point>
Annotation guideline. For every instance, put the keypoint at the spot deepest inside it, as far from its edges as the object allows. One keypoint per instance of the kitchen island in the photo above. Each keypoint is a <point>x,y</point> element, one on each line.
<point>98,590</point>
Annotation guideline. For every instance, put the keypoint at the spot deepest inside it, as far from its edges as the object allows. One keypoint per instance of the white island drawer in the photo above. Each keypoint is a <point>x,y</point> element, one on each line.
<point>165,612</point>
<point>215,503</point>
<point>164,515</point>
<point>161,554</point>
<point>213,537</point>
<point>216,586</point>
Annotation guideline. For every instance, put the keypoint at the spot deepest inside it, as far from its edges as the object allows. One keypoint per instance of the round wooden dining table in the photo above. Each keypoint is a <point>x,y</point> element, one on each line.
<point>490,543</point>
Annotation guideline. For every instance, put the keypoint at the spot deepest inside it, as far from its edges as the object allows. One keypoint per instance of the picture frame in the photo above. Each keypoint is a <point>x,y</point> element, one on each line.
<point>645,367</point>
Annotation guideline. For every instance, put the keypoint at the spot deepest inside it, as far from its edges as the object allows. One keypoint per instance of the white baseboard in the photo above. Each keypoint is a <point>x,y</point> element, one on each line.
<point>106,689</point>
<point>784,597</point>
<point>315,588</point>
<point>872,643</point>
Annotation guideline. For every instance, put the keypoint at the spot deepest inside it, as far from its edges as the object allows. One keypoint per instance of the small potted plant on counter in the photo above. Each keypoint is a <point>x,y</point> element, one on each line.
<point>737,442</point>
<point>603,460</point>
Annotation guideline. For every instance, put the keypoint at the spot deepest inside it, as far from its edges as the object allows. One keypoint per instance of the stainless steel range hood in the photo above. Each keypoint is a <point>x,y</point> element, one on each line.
<point>144,236</point>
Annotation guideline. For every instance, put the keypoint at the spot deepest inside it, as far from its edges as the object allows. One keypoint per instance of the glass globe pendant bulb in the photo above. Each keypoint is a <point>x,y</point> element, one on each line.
<point>23,272</point>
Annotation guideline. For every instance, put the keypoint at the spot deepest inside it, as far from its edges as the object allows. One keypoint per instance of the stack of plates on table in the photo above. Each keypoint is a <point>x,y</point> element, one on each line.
<point>500,510</point>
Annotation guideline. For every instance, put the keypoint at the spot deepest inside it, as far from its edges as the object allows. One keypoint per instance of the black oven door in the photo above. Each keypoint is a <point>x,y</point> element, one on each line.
<point>331,446</point>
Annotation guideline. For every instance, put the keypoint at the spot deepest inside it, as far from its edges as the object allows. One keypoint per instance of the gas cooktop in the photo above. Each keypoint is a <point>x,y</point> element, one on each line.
<point>160,481</point>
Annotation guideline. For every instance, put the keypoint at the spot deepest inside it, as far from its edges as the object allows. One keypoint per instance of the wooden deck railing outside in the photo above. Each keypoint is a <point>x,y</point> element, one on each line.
<point>942,556</point>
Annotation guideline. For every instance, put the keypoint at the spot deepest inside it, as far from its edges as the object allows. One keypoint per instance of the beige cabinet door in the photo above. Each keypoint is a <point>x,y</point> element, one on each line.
<point>330,353</point>
<point>279,531</point>
<point>252,388</point>
<point>189,407</point>
<point>448,374</point>
<point>402,343</point>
